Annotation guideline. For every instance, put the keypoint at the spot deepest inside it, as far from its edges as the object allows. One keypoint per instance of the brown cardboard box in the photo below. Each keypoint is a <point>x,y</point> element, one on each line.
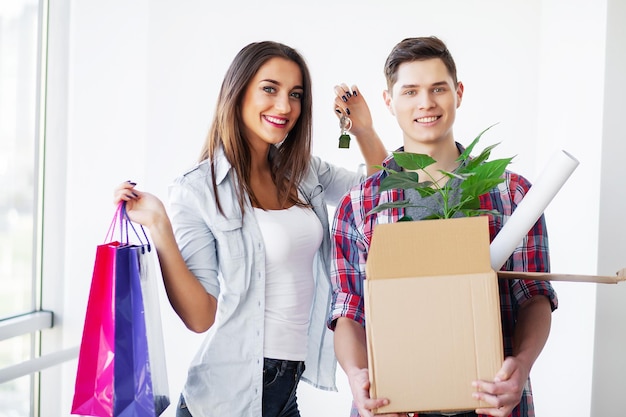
<point>432,313</point>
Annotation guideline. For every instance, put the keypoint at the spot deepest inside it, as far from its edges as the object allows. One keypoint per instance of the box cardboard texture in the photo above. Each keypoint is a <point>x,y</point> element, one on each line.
<point>432,313</point>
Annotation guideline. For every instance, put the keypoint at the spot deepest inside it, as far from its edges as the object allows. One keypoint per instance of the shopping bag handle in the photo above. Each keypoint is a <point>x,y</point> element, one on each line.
<point>125,222</point>
<point>124,219</point>
<point>111,232</point>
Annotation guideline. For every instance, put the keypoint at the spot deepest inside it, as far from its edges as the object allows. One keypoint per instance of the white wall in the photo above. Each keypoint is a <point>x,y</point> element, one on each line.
<point>142,81</point>
<point>609,366</point>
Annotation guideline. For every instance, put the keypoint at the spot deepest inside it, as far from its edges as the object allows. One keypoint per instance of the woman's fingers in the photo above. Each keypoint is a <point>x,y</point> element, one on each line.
<point>125,192</point>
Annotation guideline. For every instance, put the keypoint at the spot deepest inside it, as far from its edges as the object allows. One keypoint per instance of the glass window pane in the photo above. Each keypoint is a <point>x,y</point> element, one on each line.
<point>18,128</point>
<point>18,101</point>
<point>15,395</point>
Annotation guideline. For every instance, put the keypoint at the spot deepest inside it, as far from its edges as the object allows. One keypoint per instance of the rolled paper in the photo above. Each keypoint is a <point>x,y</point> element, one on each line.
<point>543,190</point>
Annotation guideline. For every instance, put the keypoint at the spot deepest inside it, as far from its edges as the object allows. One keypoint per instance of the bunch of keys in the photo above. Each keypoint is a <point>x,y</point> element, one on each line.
<point>344,124</point>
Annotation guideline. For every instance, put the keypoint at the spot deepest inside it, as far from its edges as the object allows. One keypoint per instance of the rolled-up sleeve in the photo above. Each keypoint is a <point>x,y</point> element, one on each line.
<point>193,234</point>
<point>348,267</point>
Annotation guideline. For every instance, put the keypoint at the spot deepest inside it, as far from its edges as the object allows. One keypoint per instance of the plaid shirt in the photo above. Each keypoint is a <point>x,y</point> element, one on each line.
<point>352,232</point>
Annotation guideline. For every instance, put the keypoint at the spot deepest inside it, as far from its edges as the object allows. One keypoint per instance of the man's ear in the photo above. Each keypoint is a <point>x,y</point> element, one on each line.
<point>387,97</point>
<point>459,93</point>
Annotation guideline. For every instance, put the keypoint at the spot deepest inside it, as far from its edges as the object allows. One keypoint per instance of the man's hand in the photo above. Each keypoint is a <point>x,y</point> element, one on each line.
<point>505,392</point>
<point>360,385</point>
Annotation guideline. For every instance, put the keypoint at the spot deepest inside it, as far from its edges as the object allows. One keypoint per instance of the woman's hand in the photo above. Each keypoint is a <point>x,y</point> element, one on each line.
<point>143,208</point>
<point>350,103</point>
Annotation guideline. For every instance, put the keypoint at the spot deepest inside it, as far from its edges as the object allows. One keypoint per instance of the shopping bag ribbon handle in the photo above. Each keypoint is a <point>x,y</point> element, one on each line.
<point>125,222</point>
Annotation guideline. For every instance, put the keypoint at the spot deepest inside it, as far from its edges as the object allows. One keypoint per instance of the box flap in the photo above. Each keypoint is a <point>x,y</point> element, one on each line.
<point>429,248</point>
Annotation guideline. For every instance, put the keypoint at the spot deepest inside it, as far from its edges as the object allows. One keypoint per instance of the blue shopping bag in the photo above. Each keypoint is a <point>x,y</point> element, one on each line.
<point>134,381</point>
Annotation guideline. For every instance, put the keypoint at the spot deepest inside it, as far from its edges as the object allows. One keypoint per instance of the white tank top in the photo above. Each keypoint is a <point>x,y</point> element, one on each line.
<point>292,238</point>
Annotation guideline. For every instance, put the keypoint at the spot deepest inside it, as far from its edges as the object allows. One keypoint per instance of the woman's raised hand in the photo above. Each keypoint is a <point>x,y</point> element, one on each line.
<point>350,102</point>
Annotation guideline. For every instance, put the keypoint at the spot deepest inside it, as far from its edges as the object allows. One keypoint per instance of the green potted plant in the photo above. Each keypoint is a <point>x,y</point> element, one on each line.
<point>460,194</point>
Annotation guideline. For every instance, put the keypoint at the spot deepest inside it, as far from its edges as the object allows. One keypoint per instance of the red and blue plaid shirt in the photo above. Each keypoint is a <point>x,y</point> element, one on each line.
<point>352,232</point>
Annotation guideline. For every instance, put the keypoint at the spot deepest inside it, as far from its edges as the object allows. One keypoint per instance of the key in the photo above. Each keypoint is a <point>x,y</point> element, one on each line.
<point>344,124</point>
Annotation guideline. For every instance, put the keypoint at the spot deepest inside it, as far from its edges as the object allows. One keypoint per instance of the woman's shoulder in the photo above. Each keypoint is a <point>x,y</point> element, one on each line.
<point>195,173</point>
<point>196,180</point>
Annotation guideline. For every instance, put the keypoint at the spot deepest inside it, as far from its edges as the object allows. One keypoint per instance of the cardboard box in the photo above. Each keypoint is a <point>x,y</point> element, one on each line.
<point>432,313</point>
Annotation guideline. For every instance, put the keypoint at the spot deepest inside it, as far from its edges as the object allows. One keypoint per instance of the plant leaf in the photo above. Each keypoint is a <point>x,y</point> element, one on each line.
<point>470,204</point>
<point>402,179</point>
<point>468,151</point>
<point>479,212</point>
<point>489,170</point>
<point>484,155</point>
<point>412,161</point>
<point>390,205</point>
<point>426,191</point>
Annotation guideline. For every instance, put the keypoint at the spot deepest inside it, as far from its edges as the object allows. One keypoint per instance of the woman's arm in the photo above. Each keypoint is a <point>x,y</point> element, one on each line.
<point>187,296</point>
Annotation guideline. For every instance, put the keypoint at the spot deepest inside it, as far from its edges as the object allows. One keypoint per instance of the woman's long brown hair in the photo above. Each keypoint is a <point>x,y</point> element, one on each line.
<point>290,160</point>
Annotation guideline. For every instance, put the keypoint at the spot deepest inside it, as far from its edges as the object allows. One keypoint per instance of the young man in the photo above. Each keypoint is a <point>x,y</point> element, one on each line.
<point>423,94</point>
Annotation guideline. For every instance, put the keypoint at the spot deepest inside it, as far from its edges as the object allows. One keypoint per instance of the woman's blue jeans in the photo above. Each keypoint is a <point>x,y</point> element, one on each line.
<point>280,383</point>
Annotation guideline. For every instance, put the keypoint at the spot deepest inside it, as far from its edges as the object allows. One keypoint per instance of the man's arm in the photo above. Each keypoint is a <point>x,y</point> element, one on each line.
<point>347,314</point>
<point>351,352</point>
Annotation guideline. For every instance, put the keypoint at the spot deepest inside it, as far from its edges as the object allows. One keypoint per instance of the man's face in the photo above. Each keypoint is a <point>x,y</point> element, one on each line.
<point>424,100</point>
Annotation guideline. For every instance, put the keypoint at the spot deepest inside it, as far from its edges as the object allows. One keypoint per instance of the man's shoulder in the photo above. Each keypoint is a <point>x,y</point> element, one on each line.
<point>515,182</point>
<point>366,190</point>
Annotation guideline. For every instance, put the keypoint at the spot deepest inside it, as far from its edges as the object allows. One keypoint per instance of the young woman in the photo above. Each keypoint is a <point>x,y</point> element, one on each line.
<point>246,253</point>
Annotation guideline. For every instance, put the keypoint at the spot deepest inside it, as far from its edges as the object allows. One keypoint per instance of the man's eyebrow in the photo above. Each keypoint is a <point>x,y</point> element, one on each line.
<point>437,84</point>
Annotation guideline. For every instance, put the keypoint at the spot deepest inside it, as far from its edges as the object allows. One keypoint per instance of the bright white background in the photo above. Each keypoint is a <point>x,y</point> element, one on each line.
<point>132,90</point>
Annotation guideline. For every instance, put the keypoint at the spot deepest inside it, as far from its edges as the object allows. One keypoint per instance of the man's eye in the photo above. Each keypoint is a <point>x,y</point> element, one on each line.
<point>409,93</point>
<point>438,90</point>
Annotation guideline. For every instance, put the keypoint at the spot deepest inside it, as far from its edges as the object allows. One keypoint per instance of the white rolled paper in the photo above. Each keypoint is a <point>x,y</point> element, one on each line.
<point>543,190</point>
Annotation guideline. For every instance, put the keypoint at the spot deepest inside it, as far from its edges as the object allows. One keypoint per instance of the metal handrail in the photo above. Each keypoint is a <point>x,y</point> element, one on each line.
<point>38,364</point>
<point>25,323</point>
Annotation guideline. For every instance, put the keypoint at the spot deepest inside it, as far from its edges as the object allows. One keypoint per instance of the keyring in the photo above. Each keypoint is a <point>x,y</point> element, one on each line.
<point>345,124</point>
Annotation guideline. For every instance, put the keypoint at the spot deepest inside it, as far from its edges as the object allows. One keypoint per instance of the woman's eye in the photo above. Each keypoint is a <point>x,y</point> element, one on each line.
<point>297,95</point>
<point>269,89</point>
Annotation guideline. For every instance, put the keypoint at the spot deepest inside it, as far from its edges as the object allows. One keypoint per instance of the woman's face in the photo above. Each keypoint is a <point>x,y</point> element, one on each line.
<point>272,102</point>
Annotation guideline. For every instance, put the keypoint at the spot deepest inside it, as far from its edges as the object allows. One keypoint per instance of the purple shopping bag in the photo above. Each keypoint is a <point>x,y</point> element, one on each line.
<point>140,390</point>
<point>133,395</point>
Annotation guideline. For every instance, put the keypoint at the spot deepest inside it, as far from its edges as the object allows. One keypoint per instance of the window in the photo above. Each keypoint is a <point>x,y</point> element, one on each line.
<point>20,22</point>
